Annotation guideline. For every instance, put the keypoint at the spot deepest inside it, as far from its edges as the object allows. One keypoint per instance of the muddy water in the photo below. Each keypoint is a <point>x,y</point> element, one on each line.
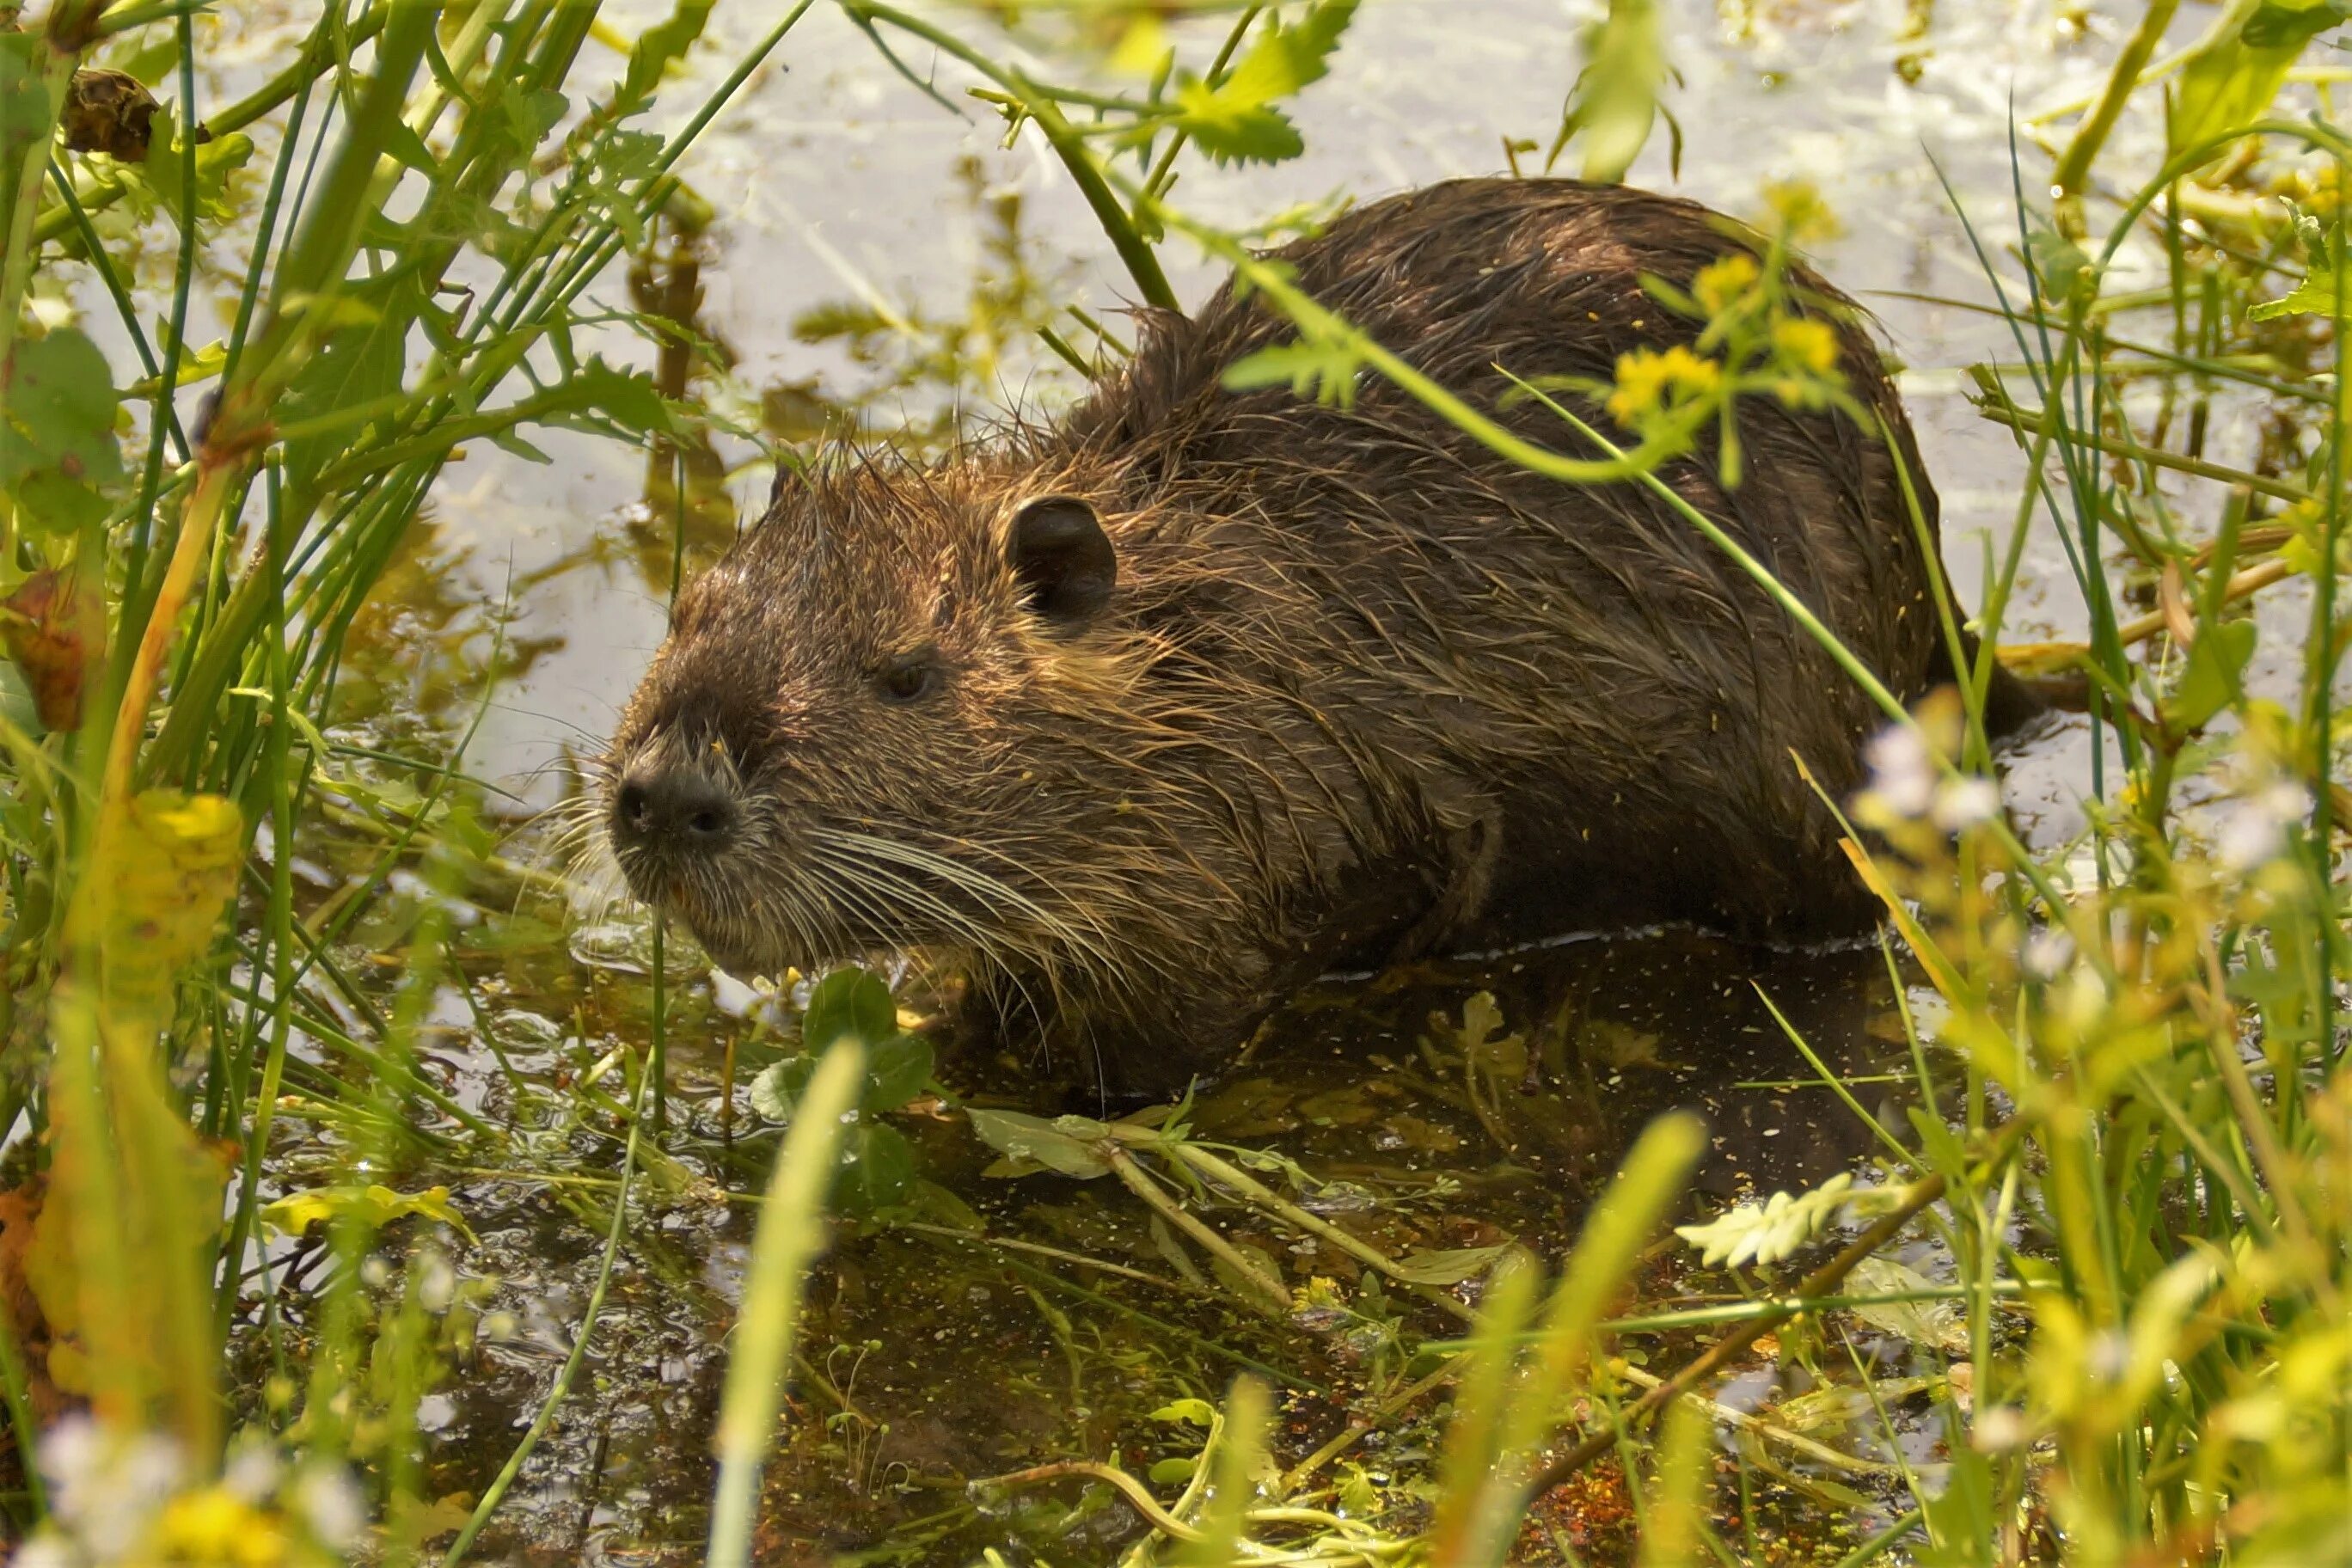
<point>1002,1324</point>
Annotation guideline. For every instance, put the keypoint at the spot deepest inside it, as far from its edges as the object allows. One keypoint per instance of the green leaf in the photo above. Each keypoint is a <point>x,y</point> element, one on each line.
<point>372,1206</point>
<point>363,359</point>
<point>657,48</point>
<point>2233,72</point>
<point>53,503</point>
<point>876,1169</point>
<point>1614,103</point>
<point>1031,1143</point>
<point>1173,1472</point>
<point>1937,1323</point>
<point>625,397</point>
<point>777,1090</point>
<point>1189,1412</point>
<point>852,1002</point>
<point>2063,270</point>
<point>29,101</point>
<point>1451,1267</point>
<point>895,1071</point>
<point>2316,295</point>
<point>2217,660</point>
<point>1234,121</point>
<point>508,441</point>
<point>216,161</point>
<point>57,438</point>
<point>1327,370</point>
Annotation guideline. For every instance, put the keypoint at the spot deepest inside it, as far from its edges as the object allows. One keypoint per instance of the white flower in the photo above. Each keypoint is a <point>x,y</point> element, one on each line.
<point>1901,771</point>
<point>2256,830</point>
<point>251,1473</point>
<point>1965,802</point>
<point>105,1486</point>
<point>1997,1429</point>
<point>437,1286</point>
<point>2048,952</point>
<point>331,1502</point>
<point>731,997</point>
<point>47,1550</point>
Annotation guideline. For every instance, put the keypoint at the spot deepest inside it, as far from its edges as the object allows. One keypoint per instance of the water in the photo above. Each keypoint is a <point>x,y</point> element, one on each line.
<point>932,1358</point>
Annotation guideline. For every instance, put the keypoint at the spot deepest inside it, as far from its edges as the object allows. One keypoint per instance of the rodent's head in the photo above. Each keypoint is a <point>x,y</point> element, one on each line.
<point>868,711</point>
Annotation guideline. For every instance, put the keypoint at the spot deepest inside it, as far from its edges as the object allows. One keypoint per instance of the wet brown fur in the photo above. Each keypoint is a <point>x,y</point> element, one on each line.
<point>1364,688</point>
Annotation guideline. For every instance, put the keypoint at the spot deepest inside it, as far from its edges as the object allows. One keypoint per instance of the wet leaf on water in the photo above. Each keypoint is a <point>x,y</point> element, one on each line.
<point>849,1003</point>
<point>1345,1107</point>
<point>1938,1323</point>
<point>1232,1278</point>
<point>57,441</point>
<point>895,1071</point>
<point>108,112</point>
<point>878,1169</point>
<point>1191,1411</point>
<point>1451,1267</point>
<point>54,632</point>
<point>1822,1410</point>
<point>943,1206</point>
<point>1164,1242</point>
<point>1254,1107</point>
<point>1420,1134</point>
<point>372,1206</point>
<point>1937,1141</point>
<point>1616,1044</point>
<point>1031,1143</point>
<point>778,1088</point>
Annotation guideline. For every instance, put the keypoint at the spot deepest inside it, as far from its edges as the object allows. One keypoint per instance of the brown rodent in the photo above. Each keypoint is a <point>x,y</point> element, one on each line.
<point>1153,716</point>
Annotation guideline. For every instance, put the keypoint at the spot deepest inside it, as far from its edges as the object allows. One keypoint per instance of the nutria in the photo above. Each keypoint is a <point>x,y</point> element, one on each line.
<point>1152,715</point>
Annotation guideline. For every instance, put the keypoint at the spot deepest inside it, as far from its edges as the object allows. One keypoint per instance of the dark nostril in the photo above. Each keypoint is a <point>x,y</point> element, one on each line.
<point>679,809</point>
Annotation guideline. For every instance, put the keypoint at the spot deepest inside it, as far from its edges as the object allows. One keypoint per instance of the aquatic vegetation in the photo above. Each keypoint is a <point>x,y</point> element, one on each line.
<point>2059,1270</point>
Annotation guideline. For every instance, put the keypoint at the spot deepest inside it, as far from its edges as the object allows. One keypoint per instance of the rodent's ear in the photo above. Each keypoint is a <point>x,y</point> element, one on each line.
<point>1064,559</point>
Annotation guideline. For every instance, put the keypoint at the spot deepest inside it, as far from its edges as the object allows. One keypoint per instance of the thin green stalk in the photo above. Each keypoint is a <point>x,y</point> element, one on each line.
<point>279,916</point>
<point>788,1234</point>
<point>1118,224</point>
<point>2073,169</point>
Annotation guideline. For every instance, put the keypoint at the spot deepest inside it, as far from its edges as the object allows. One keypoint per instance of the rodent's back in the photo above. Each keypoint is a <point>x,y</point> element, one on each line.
<point>1584,649</point>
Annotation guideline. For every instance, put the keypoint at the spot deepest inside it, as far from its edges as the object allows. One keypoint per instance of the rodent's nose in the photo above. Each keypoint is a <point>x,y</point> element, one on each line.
<point>672,810</point>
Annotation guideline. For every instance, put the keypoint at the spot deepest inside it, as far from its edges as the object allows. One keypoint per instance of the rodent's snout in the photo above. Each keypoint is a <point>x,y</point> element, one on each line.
<point>673,812</point>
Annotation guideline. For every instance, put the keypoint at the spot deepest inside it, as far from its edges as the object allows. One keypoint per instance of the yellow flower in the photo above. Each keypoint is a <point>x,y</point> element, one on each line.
<point>1721,283</point>
<point>1799,211</point>
<point>1812,345</point>
<point>216,1527</point>
<point>1647,379</point>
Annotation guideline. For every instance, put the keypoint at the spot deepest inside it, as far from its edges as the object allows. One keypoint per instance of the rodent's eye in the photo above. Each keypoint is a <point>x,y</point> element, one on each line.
<point>909,677</point>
